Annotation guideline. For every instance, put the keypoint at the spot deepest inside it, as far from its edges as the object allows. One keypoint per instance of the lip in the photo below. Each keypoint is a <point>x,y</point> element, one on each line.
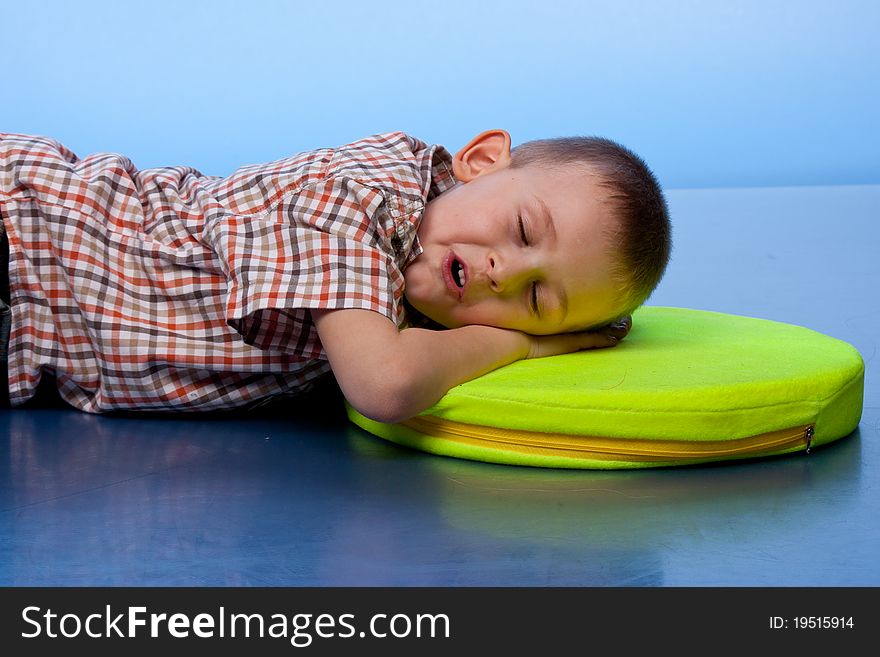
<point>457,292</point>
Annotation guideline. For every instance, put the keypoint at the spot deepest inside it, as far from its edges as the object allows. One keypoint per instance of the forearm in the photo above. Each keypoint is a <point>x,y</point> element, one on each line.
<point>391,375</point>
<point>440,360</point>
<point>445,359</point>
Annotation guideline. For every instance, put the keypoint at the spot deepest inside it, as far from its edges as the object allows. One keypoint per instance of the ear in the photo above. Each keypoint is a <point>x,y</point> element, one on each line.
<point>488,151</point>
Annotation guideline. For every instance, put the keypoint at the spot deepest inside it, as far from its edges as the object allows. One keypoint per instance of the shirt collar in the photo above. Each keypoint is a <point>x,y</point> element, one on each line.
<point>435,167</point>
<point>442,178</point>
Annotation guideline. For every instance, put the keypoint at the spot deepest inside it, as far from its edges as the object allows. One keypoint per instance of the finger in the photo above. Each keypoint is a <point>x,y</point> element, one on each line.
<point>597,340</point>
<point>564,343</point>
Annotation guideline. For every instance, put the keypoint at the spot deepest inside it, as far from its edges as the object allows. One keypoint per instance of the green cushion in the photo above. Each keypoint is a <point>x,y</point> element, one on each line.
<point>686,386</point>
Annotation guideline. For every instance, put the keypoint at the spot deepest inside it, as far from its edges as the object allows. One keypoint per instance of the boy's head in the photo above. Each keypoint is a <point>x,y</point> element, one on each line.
<point>555,236</point>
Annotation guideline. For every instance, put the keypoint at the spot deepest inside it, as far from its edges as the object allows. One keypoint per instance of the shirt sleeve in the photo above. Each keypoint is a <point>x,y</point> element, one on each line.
<point>322,246</point>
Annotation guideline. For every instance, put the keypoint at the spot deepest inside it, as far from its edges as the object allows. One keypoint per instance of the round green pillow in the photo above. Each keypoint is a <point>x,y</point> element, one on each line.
<point>686,386</point>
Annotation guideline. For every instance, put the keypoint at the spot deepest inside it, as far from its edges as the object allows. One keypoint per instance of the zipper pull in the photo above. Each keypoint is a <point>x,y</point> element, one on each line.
<point>808,437</point>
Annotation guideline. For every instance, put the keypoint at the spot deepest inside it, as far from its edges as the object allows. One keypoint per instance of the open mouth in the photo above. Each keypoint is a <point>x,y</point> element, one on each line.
<point>458,275</point>
<point>455,274</point>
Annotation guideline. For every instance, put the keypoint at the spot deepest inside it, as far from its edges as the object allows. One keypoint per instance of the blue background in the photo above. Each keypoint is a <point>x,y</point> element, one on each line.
<point>746,93</point>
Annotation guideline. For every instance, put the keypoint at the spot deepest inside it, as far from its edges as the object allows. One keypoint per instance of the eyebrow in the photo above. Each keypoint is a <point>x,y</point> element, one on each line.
<point>551,228</point>
<point>548,218</point>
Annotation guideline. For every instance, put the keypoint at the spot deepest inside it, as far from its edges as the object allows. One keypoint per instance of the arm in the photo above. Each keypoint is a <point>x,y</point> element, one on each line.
<point>390,375</point>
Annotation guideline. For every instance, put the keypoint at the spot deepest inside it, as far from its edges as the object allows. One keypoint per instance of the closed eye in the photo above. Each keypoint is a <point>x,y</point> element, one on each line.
<point>522,230</point>
<point>534,300</point>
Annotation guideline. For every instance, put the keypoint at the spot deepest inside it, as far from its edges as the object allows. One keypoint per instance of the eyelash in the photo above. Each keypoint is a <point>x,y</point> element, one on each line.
<point>533,299</point>
<point>522,230</point>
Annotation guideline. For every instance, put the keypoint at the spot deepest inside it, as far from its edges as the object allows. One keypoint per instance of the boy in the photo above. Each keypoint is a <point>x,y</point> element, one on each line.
<point>168,289</point>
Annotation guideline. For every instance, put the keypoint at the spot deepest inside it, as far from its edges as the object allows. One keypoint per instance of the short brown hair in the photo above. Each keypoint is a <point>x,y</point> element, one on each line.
<point>643,231</point>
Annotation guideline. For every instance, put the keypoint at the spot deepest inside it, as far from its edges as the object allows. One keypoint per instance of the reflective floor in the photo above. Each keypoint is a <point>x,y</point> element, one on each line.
<point>301,497</point>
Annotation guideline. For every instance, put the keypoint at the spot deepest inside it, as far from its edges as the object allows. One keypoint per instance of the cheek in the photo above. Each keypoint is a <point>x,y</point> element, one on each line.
<point>502,313</point>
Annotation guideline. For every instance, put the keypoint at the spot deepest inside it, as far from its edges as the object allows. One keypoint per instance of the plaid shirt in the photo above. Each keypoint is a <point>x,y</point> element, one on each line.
<point>167,289</point>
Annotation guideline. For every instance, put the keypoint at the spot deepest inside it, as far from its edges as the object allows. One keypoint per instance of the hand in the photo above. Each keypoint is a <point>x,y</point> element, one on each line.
<point>563,343</point>
<point>619,328</point>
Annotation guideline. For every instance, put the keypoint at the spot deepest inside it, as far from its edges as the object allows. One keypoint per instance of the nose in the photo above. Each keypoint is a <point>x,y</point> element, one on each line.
<point>505,274</point>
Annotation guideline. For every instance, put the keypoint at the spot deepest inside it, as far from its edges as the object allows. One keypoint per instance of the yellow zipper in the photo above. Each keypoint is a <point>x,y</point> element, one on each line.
<point>613,449</point>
